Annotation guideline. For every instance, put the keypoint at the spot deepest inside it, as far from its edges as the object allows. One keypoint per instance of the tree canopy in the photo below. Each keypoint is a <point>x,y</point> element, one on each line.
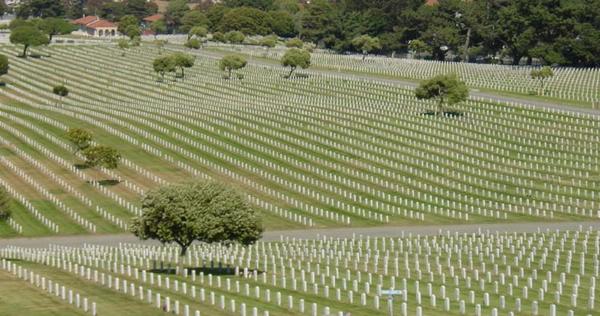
<point>191,19</point>
<point>235,37</point>
<point>541,75</point>
<point>199,211</point>
<point>182,61</point>
<point>28,36</point>
<point>294,58</point>
<point>80,138</point>
<point>366,44</point>
<point>163,65</point>
<point>444,88</point>
<point>60,90</point>
<point>232,62</point>
<point>101,156</point>
<point>55,26</point>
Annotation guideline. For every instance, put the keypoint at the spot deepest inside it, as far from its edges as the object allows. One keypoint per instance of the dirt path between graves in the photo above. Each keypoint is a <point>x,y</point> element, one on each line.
<point>412,84</point>
<point>388,231</point>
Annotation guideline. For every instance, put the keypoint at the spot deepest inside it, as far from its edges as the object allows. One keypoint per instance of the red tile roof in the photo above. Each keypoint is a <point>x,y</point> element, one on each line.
<point>153,18</point>
<point>101,24</point>
<point>431,2</point>
<point>85,20</point>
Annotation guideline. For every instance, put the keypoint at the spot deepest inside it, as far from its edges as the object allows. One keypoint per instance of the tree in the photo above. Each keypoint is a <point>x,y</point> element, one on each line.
<point>182,61</point>
<point>40,9</point>
<point>247,20</point>
<point>139,8</point>
<point>28,36</point>
<point>60,91</point>
<point>294,58</point>
<point>191,19</point>
<point>158,27</point>
<point>294,42</point>
<point>163,64</point>
<point>219,37</point>
<point>133,31</point>
<point>198,32</point>
<point>282,23</point>
<point>235,37</point>
<point>5,210</point>
<point>232,62</point>
<point>444,88</point>
<point>193,43</point>
<point>55,26</point>
<point>101,156</point>
<point>366,44</point>
<point>126,22</point>
<point>541,75</point>
<point>268,41</point>
<point>80,138</point>
<point>123,45</point>
<point>160,44</point>
<point>418,47</point>
<point>4,65</point>
<point>176,9</point>
<point>200,211</point>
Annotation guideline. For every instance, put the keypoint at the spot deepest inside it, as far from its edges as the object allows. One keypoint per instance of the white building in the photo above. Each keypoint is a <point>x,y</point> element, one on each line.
<point>95,26</point>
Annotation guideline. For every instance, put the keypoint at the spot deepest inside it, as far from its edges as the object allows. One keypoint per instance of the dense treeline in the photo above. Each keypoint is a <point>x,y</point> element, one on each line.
<point>564,32</point>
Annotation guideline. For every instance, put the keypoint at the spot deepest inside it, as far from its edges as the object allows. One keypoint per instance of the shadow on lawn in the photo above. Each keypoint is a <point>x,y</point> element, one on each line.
<point>205,270</point>
<point>445,113</point>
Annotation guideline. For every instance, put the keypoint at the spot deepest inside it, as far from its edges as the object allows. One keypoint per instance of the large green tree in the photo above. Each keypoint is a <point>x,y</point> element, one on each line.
<point>446,89</point>
<point>55,26</point>
<point>80,138</point>
<point>40,9</point>
<point>294,58</point>
<point>230,63</point>
<point>191,19</point>
<point>366,44</point>
<point>176,9</point>
<point>101,156</point>
<point>28,36</point>
<point>182,61</point>
<point>164,64</point>
<point>249,21</point>
<point>202,211</point>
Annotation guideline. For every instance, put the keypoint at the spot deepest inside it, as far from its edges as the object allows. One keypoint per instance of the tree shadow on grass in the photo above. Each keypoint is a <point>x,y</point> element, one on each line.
<point>445,113</point>
<point>106,182</point>
<point>80,166</point>
<point>204,270</point>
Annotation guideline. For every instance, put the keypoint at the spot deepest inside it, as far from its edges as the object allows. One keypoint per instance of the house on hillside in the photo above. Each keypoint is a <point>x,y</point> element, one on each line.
<point>95,26</point>
<point>147,21</point>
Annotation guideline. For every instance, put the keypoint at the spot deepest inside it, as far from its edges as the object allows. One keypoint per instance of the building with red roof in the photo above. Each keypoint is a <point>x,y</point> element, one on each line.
<point>94,26</point>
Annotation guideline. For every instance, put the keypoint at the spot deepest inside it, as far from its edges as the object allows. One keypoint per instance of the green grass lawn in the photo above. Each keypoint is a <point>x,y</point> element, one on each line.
<point>18,297</point>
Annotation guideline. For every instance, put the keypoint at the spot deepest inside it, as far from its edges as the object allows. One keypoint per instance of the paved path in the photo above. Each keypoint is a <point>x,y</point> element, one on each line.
<point>411,84</point>
<point>399,231</point>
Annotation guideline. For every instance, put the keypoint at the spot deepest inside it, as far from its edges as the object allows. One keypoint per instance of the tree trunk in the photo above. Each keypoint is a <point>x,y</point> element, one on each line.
<point>291,71</point>
<point>25,51</point>
<point>466,49</point>
<point>229,75</point>
<point>440,107</point>
<point>364,56</point>
<point>180,265</point>
<point>516,59</point>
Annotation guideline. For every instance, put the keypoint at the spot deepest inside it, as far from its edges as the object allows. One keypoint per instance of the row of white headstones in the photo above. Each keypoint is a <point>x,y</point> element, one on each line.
<point>281,266</point>
<point>328,215</point>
